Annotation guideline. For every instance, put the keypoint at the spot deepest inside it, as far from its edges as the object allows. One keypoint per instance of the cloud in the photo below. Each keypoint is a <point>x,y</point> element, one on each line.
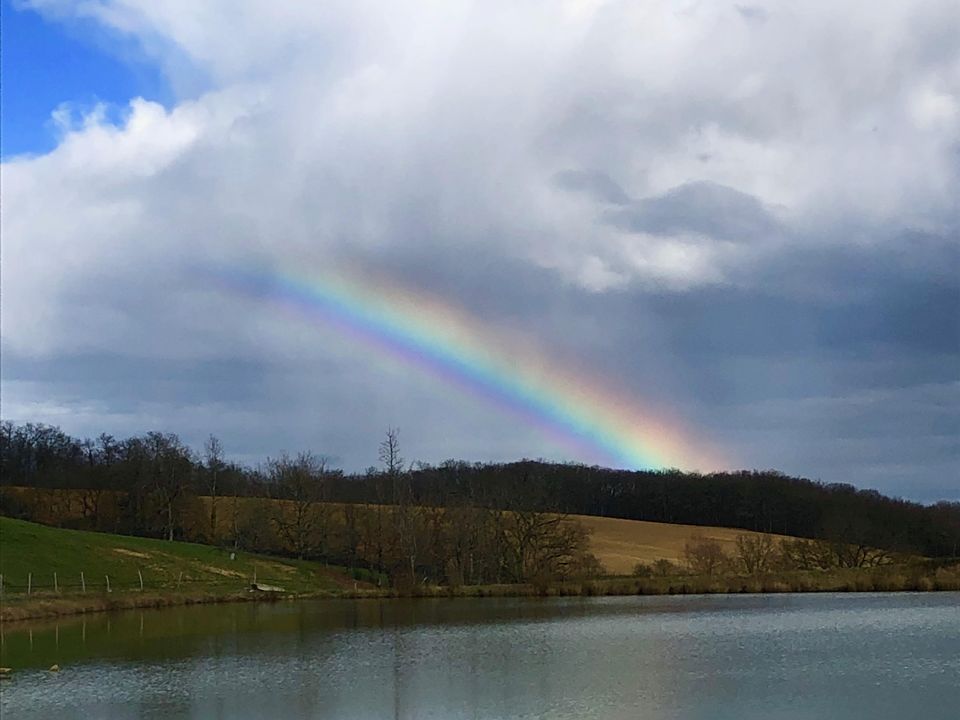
<point>596,184</point>
<point>752,12</point>
<point>680,197</point>
<point>702,208</point>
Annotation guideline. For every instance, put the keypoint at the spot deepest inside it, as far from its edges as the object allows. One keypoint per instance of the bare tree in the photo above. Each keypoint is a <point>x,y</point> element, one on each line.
<point>856,554</point>
<point>376,530</point>
<point>756,554</point>
<point>704,556</point>
<point>170,467</point>
<point>803,554</point>
<point>390,455</point>
<point>825,555</point>
<point>213,457</point>
<point>301,483</point>
<point>235,521</point>
<point>402,512</point>
<point>543,544</point>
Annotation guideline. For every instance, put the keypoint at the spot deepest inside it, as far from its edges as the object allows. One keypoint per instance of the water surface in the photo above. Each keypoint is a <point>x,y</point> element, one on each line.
<point>871,656</point>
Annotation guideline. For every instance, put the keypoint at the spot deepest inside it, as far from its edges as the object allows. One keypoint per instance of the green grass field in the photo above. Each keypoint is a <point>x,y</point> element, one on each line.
<point>28,549</point>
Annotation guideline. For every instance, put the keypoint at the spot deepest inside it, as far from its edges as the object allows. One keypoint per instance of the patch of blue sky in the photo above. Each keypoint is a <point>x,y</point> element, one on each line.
<point>46,64</point>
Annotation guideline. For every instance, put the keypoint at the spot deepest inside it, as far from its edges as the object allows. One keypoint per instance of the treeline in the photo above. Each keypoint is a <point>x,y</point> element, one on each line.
<point>158,470</point>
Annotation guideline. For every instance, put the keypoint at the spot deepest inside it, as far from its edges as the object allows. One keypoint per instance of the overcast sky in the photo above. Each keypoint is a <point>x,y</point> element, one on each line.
<point>745,214</point>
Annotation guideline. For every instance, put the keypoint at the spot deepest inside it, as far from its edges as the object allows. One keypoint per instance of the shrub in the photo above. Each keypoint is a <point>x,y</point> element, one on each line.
<point>584,566</point>
<point>704,556</point>
<point>664,568</point>
<point>13,505</point>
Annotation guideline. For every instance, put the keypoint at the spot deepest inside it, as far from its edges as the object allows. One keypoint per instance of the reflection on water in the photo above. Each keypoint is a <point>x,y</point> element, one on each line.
<point>785,656</point>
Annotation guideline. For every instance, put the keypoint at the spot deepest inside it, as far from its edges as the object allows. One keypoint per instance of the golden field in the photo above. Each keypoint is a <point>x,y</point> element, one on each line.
<point>620,544</point>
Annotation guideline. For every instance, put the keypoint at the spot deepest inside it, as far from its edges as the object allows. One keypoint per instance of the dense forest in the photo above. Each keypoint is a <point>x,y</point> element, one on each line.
<point>473,521</point>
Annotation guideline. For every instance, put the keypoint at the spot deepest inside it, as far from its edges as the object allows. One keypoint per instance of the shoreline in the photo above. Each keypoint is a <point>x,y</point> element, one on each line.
<point>22,610</point>
<point>874,580</point>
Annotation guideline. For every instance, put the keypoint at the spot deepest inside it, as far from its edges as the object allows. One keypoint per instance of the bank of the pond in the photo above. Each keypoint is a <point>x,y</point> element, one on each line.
<point>921,577</point>
<point>57,606</point>
<point>45,607</point>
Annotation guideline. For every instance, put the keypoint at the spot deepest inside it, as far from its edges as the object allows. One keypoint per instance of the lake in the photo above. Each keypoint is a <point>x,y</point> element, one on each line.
<point>761,656</point>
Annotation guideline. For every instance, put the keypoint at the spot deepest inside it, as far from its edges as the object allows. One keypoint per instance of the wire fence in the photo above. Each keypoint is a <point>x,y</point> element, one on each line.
<point>54,584</point>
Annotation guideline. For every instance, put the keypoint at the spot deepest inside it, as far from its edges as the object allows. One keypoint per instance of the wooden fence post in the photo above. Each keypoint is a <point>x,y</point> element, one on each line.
<point>56,586</point>
<point>83,581</point>
<point>29,583</point>
<point>140,575</point>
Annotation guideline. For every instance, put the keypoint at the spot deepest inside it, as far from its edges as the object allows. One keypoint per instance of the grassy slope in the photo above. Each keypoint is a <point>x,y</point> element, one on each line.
<point>27,547</point>
<point>621,544</point>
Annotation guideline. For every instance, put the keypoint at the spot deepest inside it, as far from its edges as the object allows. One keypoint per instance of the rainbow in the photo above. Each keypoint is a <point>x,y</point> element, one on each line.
<point>592,423</point>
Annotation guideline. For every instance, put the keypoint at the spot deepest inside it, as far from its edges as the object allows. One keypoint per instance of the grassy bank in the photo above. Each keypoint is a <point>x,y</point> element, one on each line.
<point>49,571</point>
<point>891,579</point>
<point>894,578</point>
<point>926,576</point>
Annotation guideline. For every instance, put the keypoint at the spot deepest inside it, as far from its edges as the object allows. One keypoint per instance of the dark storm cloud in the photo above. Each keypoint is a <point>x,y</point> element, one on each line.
<point>752,12</point>
<point>704,208</point>
<point>124,382</point>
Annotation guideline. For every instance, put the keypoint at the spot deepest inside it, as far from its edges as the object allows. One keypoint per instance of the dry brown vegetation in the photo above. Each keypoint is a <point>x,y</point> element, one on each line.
<point>620,544</point>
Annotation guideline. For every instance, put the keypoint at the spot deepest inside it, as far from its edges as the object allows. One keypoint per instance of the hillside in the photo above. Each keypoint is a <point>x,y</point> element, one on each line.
<point>621,544</point>
<point>27,548</point>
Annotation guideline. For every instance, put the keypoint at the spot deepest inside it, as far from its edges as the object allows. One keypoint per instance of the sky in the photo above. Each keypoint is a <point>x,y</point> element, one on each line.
<point>703,235</point>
